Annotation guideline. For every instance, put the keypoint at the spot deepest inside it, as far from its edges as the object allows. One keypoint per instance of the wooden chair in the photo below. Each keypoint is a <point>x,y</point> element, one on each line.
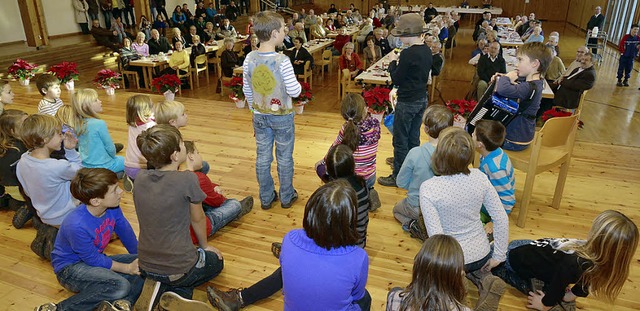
<point>201,65</point>
<point>348,85</point>
<point>183,76</point>
<point>552,146</point>
<point>221,79</point>
<point>307,76</point>
<point>326,61</point>
<point>131,75</point>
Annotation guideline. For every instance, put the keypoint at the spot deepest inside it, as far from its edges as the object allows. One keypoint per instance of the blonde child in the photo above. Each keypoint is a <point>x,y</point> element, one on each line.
<point>94,142</point>
<point>45,180</point>
<point>437,282</point>
<point>599,265</point>
<point>139,118</point>
<point>6,94</point>
<point>49,87</point>
<point>11,149</point>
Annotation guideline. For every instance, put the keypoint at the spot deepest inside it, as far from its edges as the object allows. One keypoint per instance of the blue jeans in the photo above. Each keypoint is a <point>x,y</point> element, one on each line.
<point>95,284</point>
<point>222,215</point>
<point>507,145</point>
<point>371,181</point>
<point>624,67</point>
<point>108,15</point>
<point>198,275</point>
<point>406,129</point>
<point>477,265</point>
<point>510,276</point>
<point>270,129</point>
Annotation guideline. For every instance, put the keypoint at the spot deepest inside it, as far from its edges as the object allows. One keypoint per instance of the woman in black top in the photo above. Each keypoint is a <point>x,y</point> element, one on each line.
<point>228,58</point>
<point>299,56</point>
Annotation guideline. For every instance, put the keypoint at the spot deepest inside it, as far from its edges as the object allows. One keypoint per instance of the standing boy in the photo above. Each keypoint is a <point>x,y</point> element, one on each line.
<point>167,202</point>
<point>49,87</point>
<point>628,52</point>
<point>410,73</point>
<point>269,84</point>
<point>78,258</point>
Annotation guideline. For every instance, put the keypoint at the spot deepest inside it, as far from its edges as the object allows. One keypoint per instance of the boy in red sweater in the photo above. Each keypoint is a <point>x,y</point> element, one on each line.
<point>219,210</point>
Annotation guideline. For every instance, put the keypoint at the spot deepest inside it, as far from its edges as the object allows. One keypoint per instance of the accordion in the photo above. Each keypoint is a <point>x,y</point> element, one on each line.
<point>492,106</point>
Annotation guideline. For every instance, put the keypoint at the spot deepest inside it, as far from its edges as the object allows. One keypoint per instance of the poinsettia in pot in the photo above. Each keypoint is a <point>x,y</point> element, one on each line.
<point>378,101</point>
<point>303,99</point>
<point>23,71</point>
<point>108,79</point>
<point>554,113</point>
<point>461,110</point>
<point>167,84</point>
<point>237,94</point>
<point>67,73</point>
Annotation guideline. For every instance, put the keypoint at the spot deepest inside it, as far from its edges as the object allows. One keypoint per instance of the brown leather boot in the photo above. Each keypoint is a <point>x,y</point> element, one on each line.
<point>224,301</point>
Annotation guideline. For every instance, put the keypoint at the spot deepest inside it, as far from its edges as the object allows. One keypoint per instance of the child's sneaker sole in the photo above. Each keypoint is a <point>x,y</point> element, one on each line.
<point>171,301</point>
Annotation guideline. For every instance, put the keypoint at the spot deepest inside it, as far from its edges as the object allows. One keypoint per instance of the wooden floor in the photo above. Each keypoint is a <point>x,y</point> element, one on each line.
<point>604,174</point>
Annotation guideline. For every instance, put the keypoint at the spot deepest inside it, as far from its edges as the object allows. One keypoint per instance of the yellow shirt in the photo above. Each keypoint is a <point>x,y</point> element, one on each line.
<point>180,59</point>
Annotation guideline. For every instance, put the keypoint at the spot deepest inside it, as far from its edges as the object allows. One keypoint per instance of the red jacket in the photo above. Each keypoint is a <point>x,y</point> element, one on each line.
<point>340,41</point>
<point>213,199</point>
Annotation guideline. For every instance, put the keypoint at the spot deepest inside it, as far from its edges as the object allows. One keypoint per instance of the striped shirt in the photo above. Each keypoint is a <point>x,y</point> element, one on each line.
<point>362,192</point>
<point>497,166</point>
<point>50,108</point>
<point>269,83</point>
<point>365,154</point>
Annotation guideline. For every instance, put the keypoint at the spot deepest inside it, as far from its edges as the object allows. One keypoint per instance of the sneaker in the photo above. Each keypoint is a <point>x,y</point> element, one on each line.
<point>416,231</point>
<point>22,216</point>
<point>293,200</point>
<point>276,248</point>
<point>374,200</point>
<point>119,147</point>
<point>625,83</point>
<point>49,306</point>
<point>118,305</point>
<point>170,301</point>
<point>224,301</point>
<point>127,184</point>
<point>389,160</point>
<point>619,83</point>
<point>388,181</point>
<point>490,292</point>
<point>268,206</point>
<point>148,296</point>
<point>245,206</point>
<point>122,305</point>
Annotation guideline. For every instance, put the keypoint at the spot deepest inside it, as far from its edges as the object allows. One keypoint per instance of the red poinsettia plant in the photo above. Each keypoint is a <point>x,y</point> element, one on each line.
<point>22,69</point>
<point>555,112</point>
<point>65,71</point>
<point>107,78</point>
<point>235,84</point>
<point>166,82</point>
<point>377,99</point>
<point>305,95</point>
<point>461,107</point>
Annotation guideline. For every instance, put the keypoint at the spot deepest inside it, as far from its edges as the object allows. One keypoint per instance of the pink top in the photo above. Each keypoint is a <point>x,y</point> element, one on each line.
<point>133,157</point>
<point>142,49</point>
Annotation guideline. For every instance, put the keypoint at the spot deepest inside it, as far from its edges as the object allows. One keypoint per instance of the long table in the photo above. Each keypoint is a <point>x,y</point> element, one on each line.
<point>512,62</point>
<point>509,37</point>
<point>416,8</point>
<point>503,21</point>
<point>377,73</point>
<point>351,31</point>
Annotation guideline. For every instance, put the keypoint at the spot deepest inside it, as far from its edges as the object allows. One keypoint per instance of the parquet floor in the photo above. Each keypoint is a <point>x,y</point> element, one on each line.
<point>604,174</point>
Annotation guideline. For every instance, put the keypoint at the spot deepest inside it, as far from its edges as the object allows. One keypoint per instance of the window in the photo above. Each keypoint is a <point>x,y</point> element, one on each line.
<point>619,18</point>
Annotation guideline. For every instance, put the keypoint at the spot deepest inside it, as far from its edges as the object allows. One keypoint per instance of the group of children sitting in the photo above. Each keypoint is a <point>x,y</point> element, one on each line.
<point>76,198</point>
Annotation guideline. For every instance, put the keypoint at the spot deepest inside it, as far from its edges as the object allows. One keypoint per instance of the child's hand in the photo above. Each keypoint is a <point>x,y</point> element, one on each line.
<point>496,76</point>
<point>70,142</point>
<point>491,263</point>
<point>488,228</point>
<point>133,267</point>
<point>218,190</point>
<point>215,250</point>
<point>535,301</point>
<point>513,75</point>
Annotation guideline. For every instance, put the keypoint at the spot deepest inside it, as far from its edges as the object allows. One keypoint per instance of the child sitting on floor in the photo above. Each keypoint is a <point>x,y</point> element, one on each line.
<point>219,210</point>
<point>49,87</point>
<point>78,257</point>
<point>11,149</point>
<point>45,180</point>
<point>139,118</point>
<point>6,94</point>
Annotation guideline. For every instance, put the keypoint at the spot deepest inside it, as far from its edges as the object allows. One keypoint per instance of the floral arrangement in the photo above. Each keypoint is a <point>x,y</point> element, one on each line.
<point>65,71</point>
<point>461,107</point>
<point>22,69</point>
<point>166,82</point>
<point>377,99</point>
<point>555,112</point>
<point>107,78</point>
<point>305,95</point>
<point>236,88</point>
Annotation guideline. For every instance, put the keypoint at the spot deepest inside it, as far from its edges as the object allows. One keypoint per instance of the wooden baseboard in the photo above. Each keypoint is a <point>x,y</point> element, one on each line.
<point>64,35</point>
<point>12,43</point>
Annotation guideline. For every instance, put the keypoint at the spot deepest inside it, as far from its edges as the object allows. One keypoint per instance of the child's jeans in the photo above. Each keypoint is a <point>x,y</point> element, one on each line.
<point>222,215</point>
<point>95,284</point>
<point>506,272</point>
<point>406,129</point>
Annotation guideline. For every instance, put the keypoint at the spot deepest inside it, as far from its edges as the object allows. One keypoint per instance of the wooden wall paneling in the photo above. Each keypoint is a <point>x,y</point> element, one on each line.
<point>142,8</point>
<point>35,26</point>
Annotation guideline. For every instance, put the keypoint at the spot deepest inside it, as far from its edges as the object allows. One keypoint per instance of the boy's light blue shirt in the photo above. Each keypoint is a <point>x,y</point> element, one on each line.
<point>497,166</point>
<point>415,170</point>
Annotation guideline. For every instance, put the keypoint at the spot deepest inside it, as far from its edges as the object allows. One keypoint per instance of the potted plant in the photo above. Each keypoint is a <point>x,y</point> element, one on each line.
<point>461,109</point>
<point>378,101</point>
<point>23,70</point>
<point>304,98</point>
<point>66,72</point>
<point>108,80</point>
<point>167,84</point>
<point>237,95</point>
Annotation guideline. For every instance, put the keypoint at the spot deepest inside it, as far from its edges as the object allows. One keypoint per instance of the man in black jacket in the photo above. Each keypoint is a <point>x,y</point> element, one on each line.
<point>104,36</point>
<point>597,20</point>
<point>579,80</point>
<point>488,65</point>
<point>430,13</point>
<point>157,43</point>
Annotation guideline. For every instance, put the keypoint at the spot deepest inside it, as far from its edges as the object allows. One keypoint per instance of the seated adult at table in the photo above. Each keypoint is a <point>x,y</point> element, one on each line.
<point>486,17</point>
<point>209,34</point>
<point>479,50</point>
<point>228,59</point>
<point>128,54</point>
<point>556,67</point>
<point>389,20</point>
<point>329,26</point>
<point>339,22</point>
<point>394,42</point>
<point>341,39</point>
<point>570,88</point>
<point>232,12</point>
<point>253,45</point>
<point>299,55</point>
<point>430,13</point>
<point>366,29</point>
<point>309,21</point>
<point>197,49</point>
<point>348,18</point>
<point>188,38</point>
<point>177,37</point>
<point>160,24</point>
<point>451,28</point>
<point>522,27</point>
<point>488,65</point>
<point>535,36</point>
<point>178,18</point>
<point>317,30</point>
<point>226,30</point>
<point>104,37</point>
<point>157,43</point>
<point>481,31</point>
<point>494,23</point>
<point>381,41</point>
<point>444,31</point>
<point>582,50</point>
<point>437,62</point>
<point>332,9</point>
<point>178,61</point>
<point>350,60</point>
<point>298,31</point>
<point>552,42</point>
<point>372,53</point>
<point>139,46</point>
<point>287,41</point>
<point>532,27</point>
